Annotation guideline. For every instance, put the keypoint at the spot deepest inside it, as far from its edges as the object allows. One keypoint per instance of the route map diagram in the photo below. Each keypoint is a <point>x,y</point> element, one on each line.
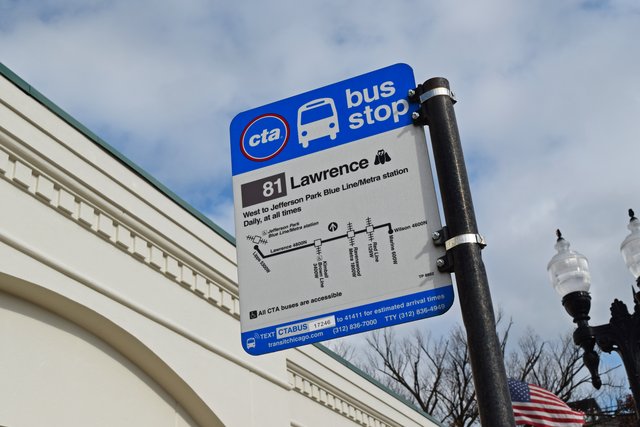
<point>350,235</point>
<point>320,265</point>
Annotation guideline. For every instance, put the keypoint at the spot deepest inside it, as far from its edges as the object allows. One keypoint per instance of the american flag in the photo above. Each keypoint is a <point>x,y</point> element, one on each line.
<point>535,406</point>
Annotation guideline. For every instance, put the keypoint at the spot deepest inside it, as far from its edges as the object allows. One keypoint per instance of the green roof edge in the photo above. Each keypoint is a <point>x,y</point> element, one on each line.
<point>375,382</point>
<point>51,106</point>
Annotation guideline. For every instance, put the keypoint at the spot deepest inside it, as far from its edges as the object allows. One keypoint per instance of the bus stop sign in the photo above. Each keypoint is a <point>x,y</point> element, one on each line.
<point>334,208</point>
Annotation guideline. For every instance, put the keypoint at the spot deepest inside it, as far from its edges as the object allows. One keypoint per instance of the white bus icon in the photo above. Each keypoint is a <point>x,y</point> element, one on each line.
<point>317,119</point>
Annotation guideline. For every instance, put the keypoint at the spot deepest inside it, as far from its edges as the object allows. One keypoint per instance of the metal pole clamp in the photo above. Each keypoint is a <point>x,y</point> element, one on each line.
<point>436,92</point>
<point>463,239</point>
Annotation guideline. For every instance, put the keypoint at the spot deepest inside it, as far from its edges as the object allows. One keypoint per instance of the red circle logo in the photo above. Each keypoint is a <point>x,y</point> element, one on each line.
<point>264,137</point>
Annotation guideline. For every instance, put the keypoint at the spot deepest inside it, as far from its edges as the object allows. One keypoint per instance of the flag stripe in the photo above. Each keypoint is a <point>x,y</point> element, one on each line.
<point>551,408</point>
<point>537,422</point>
<point>542,414</point>
<point>571,417</point>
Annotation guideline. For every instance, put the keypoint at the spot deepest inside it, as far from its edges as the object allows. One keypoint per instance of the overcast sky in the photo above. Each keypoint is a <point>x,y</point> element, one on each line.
<point>548,91</point>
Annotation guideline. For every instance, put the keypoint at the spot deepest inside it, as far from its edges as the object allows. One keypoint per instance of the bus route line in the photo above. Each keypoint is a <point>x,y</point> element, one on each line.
<point>364,230</point>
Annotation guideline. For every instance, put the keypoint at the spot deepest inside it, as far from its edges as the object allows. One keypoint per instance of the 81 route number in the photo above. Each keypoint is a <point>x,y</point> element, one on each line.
<point>262,190</point>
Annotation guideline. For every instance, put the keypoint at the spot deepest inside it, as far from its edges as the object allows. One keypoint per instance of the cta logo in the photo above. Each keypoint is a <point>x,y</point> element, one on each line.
<point>264,137</point>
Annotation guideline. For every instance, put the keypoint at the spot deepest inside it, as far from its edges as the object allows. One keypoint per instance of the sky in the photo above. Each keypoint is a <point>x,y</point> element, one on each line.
<point>548,106</point>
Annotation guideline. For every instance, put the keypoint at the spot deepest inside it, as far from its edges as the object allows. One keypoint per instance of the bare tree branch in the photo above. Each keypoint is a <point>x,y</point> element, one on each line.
<point>436,373</point>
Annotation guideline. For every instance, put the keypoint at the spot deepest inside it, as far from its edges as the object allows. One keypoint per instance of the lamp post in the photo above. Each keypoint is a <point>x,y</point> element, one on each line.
<point>569,272</point>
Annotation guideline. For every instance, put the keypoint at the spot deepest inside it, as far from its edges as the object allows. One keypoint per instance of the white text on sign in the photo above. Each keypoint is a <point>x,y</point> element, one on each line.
<point>381,112</point>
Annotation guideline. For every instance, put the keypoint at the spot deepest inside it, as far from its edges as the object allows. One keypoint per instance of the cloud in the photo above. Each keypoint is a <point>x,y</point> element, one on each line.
<point>548,105</point>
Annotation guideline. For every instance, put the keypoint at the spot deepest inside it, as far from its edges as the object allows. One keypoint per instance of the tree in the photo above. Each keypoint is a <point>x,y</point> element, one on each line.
<point>555,365</point>
<point>435,374</point>
<point>625,411</point>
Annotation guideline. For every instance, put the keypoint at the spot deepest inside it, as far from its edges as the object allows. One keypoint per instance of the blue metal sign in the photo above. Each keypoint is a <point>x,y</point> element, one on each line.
<point>324,118</point>
<point>335,204</point>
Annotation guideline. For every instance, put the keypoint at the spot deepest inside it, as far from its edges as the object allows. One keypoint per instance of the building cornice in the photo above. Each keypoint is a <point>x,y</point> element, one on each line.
<point>112,224</point>
<point>313,387</point>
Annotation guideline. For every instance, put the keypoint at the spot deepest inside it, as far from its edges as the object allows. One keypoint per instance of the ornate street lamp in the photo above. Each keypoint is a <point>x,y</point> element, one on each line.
<point>569,272</point>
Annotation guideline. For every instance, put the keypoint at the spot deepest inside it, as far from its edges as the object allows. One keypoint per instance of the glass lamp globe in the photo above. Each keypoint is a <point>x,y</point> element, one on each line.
<point>568,270</point>
<point>630,246</point>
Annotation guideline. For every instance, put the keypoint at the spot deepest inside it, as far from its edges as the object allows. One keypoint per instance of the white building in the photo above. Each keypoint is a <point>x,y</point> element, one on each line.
<point>119,302</point>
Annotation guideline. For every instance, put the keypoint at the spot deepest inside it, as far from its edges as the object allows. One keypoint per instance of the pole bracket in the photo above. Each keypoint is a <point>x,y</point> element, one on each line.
<point>464,239</point>
<point>436,92</point>
<point>439,237</point>
<point>418,95</point>
<point>445,262</point>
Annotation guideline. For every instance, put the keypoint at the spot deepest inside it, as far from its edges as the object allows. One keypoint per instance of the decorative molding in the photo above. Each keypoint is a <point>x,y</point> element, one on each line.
<point>329,396</point>
<point>136,307</point>
<point>73,206</point>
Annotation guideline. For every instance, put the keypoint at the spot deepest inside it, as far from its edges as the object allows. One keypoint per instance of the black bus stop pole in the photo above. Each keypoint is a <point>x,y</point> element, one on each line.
<point>463,252</point>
